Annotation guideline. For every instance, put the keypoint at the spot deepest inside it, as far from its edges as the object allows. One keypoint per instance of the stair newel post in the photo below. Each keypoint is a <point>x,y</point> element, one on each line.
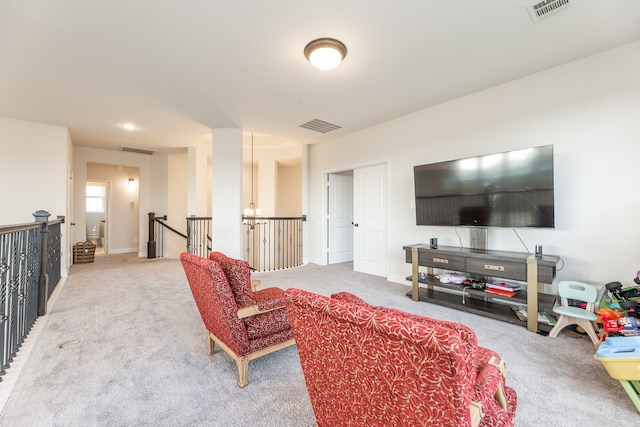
<point>151,243</point>
<point>43,280</point>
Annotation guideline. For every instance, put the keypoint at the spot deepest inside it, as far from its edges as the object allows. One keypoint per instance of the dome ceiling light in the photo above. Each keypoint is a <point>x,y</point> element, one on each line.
<point>325,54</point>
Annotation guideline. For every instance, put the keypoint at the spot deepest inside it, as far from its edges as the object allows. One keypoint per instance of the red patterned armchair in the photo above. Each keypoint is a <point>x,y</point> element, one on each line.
<point>244,323</point>
<point>376,366</point>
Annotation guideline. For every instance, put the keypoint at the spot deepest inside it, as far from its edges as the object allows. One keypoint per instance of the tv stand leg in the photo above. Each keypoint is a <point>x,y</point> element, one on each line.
<point>532,294</point>
<point>414,274</point>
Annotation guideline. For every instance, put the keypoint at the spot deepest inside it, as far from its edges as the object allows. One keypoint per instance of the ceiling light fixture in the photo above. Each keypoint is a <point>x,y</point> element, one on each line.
<point>129,126</point>
<point>325,54</point>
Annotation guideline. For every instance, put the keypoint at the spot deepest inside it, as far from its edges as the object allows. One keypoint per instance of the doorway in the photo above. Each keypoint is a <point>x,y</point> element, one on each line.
<point>356,219</point>
<point>96,214</point>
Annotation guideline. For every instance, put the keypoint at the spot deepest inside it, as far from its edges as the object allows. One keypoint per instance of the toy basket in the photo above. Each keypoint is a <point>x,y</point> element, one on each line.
<point>83,252</point>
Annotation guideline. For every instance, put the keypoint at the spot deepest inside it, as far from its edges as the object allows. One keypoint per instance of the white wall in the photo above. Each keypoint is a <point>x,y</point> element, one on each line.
<point>177,208</point>
<point>84,155</point>
<point>270,161</point>
<point>34,172</point>
<point>288,190</point>
<point>162,189</point>
<point>124,207</point>
<point>587,109</point>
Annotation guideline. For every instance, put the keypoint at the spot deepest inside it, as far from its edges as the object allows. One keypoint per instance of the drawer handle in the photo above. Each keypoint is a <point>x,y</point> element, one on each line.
<point>441,260</point>
<point>493,267</point>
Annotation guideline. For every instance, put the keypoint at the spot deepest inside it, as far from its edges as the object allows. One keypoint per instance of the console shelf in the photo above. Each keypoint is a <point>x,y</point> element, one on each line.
<point>481,263</point>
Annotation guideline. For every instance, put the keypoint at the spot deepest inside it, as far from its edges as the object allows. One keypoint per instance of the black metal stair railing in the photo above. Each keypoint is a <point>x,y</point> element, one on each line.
<point>157,226</point>
<point>273,243</point>
<point>199,236</point>
<point>30,269</point>
<point>269,243</point>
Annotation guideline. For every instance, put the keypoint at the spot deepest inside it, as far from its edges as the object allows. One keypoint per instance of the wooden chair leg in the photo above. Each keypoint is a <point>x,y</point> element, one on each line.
<point>212,344</point>
<point>243,371</point>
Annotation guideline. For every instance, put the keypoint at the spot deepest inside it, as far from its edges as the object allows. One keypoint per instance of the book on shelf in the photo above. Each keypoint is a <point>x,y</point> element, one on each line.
<point>546,318</point>
<point>513,287</point>
<point>499,292</point>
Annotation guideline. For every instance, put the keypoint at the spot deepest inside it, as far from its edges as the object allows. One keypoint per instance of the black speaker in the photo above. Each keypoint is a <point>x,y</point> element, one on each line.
<point>433,243</point>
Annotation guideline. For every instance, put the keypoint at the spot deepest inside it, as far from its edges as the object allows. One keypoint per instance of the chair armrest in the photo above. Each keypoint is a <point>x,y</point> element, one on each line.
<point>267,300</point>
<point>253,310</point>
<point>254,284</point>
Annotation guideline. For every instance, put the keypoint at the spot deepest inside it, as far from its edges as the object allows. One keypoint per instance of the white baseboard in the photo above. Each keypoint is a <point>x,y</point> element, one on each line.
<point>123,251</point>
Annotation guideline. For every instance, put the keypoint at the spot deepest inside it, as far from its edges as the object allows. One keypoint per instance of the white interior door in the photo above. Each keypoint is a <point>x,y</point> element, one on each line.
<point>340,219</point>
<point>370,240</point>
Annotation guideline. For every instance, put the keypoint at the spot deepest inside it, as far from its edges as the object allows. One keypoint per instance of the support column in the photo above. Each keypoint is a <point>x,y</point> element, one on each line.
<point>197,188</point>
<point>226,192</point>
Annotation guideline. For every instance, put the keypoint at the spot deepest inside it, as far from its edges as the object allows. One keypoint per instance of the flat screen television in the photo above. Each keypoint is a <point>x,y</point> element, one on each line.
<point>509,189</point>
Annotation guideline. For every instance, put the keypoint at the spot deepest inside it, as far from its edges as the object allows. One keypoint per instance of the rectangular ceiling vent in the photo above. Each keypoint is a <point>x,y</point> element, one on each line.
<point>136,150</point>
<point>546,8</point>
<point>320,126</point>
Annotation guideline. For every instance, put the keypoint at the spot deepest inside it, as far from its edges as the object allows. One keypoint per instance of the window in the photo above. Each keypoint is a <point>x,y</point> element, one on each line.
<point>95,198</point>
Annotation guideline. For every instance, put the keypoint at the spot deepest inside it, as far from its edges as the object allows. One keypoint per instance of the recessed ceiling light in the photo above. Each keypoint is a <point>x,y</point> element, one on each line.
<point>129,126</point>
<point>325,54</point>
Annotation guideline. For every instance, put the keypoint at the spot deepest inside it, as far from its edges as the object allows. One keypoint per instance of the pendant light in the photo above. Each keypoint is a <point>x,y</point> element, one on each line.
<point>252,210</point>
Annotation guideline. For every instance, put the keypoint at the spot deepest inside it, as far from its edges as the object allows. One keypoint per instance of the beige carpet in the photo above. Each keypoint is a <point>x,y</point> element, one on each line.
<point>124,346</point>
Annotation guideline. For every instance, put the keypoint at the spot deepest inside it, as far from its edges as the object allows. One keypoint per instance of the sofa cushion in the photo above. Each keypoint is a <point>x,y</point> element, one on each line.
<point>238,274</point>
<point>262,325</point>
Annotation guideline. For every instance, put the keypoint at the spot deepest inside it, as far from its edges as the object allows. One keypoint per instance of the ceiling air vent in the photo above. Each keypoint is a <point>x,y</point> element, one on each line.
<point>546,8</point>
<point>320,126</point>
<point>136,150</point>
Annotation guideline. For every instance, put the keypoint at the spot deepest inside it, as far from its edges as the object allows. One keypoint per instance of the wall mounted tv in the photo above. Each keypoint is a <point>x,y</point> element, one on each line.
<point>509,189</point>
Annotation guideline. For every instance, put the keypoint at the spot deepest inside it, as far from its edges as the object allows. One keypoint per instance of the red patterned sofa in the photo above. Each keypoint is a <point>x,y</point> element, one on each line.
<point>244,323</point>
<point>375,366</point>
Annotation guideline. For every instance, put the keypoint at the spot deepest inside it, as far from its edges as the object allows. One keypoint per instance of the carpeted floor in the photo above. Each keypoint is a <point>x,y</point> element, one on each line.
<point>124,345</point>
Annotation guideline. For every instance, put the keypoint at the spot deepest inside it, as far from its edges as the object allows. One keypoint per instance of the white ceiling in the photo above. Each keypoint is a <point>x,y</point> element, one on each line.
<point>180,68</point>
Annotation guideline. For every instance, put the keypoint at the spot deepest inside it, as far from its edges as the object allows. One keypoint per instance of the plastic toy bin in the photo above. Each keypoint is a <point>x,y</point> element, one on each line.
<point>621,358</point>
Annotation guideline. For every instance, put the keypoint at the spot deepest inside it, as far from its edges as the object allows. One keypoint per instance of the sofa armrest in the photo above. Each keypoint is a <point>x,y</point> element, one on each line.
<point>475,410</point>
<point>349,297</point>
<point>490,385</point>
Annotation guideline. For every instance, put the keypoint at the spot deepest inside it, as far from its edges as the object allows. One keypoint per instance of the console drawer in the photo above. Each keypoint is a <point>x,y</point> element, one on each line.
<point>446,262</point>
<point>497,268</point>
